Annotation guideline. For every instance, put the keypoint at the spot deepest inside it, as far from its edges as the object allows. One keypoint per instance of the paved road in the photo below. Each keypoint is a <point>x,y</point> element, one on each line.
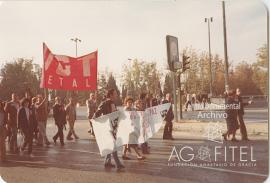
<point>79,162</point>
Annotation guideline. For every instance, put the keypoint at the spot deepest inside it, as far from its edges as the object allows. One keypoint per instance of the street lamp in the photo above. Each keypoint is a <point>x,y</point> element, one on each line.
<point>76,40</point>
<point>208,20</point>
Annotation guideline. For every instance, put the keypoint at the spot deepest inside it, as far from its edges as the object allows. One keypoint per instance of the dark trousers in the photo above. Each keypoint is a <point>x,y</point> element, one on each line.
<point>167,133</point>
<point>2,143</point>
<point>115,157</point>
<point>28,139</point>
<point>59,133</point>
<point>13,147</point>
<point>243,128</point>
<point>144,148</point>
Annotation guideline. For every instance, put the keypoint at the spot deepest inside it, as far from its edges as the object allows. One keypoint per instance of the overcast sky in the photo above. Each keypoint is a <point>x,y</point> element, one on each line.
<point>129,29</point>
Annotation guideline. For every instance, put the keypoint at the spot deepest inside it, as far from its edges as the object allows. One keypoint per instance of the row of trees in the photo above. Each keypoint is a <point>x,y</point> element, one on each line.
<point>251,78</point>
<point>144,77</point>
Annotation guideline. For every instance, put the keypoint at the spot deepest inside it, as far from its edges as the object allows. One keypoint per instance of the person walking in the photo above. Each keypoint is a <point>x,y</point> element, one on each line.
<point>3,132</point>
<point>106,107</point>
<point>167,133</point>
<point>59,115</point>
<point>41,116</point>
<point>91,104</point>
<point>71,117</point>
<point>11,108</point>
<point>34,119</point>
<point>134,136</point>
<point>231,112</point>
<point>240,114</point>
<point>25,125</point>
<point>188,101</point>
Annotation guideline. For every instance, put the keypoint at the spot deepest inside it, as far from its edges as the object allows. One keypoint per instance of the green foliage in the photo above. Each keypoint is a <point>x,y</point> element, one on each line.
<point>18,76</point>
<point>141,77</point>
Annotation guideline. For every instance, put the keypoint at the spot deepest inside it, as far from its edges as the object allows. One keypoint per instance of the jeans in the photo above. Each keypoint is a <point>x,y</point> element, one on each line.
<point>115,157</point>
<point>42,137</point>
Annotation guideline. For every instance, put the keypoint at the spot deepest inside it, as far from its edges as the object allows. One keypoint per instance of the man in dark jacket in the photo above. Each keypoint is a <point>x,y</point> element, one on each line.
<point>26,124</point>
<point>11,108</point>
<point>106,107</point>
<point>167,134</point>
<point>240,114</point>
<point>59,115</point>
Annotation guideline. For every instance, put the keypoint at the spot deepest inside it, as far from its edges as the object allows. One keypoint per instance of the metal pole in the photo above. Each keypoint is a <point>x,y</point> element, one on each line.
<point>225,49</point>
<point>180,97</point>
<point>76,47</point>
<point>210,59</point>
<point>174,97</point>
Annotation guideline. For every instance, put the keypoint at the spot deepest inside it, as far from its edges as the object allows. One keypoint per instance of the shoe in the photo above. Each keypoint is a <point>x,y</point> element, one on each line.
<point>140,158</point>
<point>31,155</point>
<point>125,158</point>
<point>109,165</point>
<point>235,140</point>
<point>120,167</point>
<point>245,139</point>
<point>76,137</point>
<point>69,138</point>
<point>48,143</point>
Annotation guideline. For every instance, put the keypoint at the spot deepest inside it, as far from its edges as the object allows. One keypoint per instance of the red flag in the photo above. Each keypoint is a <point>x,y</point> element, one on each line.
<point>68,73</point>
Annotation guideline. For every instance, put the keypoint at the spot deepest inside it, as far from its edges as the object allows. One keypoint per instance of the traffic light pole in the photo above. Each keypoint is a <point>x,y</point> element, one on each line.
<point>180,97</point>
<point>174,96</point>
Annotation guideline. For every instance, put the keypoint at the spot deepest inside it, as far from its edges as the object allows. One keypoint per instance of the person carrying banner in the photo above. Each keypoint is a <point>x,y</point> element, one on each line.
<point>106,107</point>
<point>71,117</point>
<point>59,115</point>
<point>129,107</point>
<point>11,108</point>
<point>167,134</point>
<point>141,105</point>
<point>41,116</point>
<point>91,104</point>
<point>3,132</point>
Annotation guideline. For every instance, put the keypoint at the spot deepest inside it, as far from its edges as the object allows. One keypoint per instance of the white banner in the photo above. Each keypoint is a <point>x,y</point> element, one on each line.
<point>127,127</point>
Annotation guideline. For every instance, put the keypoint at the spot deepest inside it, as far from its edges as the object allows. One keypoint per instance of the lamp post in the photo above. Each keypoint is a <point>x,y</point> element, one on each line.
<point>76,40</point>
<point>208,20</point>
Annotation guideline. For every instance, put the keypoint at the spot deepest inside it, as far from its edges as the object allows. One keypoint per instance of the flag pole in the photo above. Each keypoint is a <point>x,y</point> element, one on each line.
<point>44,84</point>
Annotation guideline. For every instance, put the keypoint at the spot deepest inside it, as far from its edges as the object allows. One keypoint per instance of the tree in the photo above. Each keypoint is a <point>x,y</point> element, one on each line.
<point>19,75</point>
<point>260,70</point>
<point>141,77</point>
<point>111,84</point>
<point>168,85</point>
<point>102,87</point>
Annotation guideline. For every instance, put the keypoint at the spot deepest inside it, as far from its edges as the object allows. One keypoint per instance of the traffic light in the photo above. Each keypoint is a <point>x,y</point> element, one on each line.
<point>185,63</point>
